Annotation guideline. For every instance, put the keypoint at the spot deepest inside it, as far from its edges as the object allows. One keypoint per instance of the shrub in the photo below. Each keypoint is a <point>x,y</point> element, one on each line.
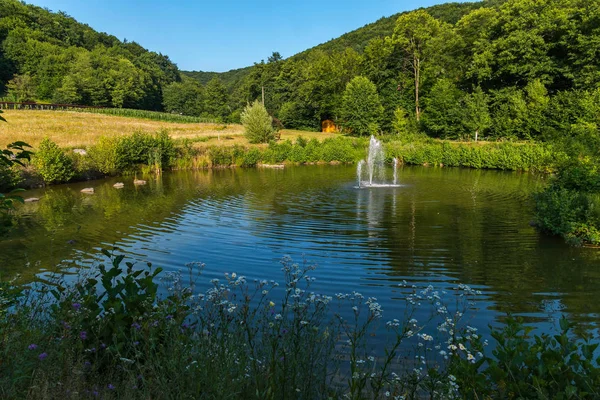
<point>52,163</point>
<point>105,155</point>
<point>221,156</point>
<point>251,158</point>
<point>257,123</point>
<point>112,155</point>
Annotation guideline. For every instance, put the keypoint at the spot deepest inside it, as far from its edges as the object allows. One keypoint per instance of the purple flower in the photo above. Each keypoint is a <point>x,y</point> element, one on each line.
<point>284,331</point>
<point>102,346</point>
<point>111,386</point>
<point>66,326</point>
<point>136,343</point>
<point>32,346</point>
<point>169,316</point>
<point>43,356</point>
<point>83,335</point>
<point>87,364</point>
<point>136,326</point>
<point>76,306</point>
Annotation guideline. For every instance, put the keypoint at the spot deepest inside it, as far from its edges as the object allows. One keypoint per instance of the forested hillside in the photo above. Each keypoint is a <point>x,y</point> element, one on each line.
<point>50,56</point>
<point>515,69</point>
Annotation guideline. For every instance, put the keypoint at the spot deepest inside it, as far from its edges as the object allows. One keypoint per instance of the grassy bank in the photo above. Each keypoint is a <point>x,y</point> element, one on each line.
<point>109,335</point>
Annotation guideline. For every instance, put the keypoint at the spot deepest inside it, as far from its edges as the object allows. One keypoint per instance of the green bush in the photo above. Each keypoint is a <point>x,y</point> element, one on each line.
<point>251,158</point>
<point>10,177</point>
<point>221,156</point>
<point>257,123</point>
<point>53,165</point>
<point>105,155</point>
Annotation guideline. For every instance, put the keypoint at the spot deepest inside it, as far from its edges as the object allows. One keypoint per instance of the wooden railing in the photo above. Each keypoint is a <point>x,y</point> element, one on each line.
<point>10,105</point>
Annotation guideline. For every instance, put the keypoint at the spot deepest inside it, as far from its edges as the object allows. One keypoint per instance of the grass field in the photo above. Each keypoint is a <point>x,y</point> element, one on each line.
<point>81,129</point>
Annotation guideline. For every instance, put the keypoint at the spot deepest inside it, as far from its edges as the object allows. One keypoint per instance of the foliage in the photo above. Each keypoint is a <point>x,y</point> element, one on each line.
<point>52,163</point>
<point>257,123</point>
<point>184,98</point>
<point>14,155</point>
<point>570,205</point>
<point>112,155</point>
<point>262,341</point>
<point>544,366</point>
<point>361,109</point>
<point>505,156</point>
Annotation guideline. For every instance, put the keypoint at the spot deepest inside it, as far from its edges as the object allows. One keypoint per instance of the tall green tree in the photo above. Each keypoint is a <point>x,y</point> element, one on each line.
<point>216,99</point>
<point>443,112</point>
<point>257,123</point>
<point>421,37</point>
<point>361,110</point>
<point>477,117</point>
<point>186,97</point>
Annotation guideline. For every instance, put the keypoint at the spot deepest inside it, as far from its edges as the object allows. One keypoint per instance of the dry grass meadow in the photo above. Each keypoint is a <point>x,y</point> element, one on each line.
<point>80,130</point>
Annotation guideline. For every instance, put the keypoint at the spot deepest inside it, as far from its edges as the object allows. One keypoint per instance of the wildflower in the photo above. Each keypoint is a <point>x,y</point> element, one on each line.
<point>234,275</point>
<point>111,386</point>
<point>452,378</point>
<point>83,335</point>
<point>278,316</point>
<point>462,347</point>
<point>470,357</point>
<point>76,306</point>
<point>32,346</point>
<point>136,326</point>
<point>387,394</point>
<point>271,304</point>
<point>43,356</point>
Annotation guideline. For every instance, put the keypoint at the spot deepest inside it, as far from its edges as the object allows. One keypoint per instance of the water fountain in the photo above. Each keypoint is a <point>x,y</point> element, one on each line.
<point>374,168</point>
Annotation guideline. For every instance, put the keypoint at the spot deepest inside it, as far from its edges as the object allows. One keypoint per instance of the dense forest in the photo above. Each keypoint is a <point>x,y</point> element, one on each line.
<point>515,69</point>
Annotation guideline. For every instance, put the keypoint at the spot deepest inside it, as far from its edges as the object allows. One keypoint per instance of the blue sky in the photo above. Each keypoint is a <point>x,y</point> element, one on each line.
<point>225,34</point>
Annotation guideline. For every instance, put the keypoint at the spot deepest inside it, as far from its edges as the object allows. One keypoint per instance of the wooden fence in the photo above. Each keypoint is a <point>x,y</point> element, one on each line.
<point>9,105</point>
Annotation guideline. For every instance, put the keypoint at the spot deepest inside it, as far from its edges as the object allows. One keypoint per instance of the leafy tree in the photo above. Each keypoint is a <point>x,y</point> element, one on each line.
<point>477,117</point>
<point>419,36</point>
<point>361,109</point>
<point>257,123</point>
<point>185,97</point>
<point>68,93</point>
<point>21,88</point>
<point>400,123</point>
<point>216,99</point>
<point>443,113</point>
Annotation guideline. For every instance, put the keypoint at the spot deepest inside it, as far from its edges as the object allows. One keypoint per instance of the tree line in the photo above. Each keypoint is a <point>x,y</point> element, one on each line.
<point>514,69</point>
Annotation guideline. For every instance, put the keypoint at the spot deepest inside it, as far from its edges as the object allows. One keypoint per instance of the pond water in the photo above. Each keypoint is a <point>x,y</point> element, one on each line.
<point>441,227</point>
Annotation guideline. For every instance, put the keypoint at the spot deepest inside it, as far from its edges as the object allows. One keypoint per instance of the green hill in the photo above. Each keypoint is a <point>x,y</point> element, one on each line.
<point>356,39</point>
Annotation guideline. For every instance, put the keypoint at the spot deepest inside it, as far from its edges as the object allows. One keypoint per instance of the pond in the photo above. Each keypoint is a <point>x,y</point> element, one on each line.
<point>441,226</point>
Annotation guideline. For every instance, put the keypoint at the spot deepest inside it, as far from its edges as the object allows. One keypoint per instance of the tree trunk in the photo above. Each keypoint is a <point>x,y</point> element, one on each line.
<point>476,134</point>
<point>417,67</point>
